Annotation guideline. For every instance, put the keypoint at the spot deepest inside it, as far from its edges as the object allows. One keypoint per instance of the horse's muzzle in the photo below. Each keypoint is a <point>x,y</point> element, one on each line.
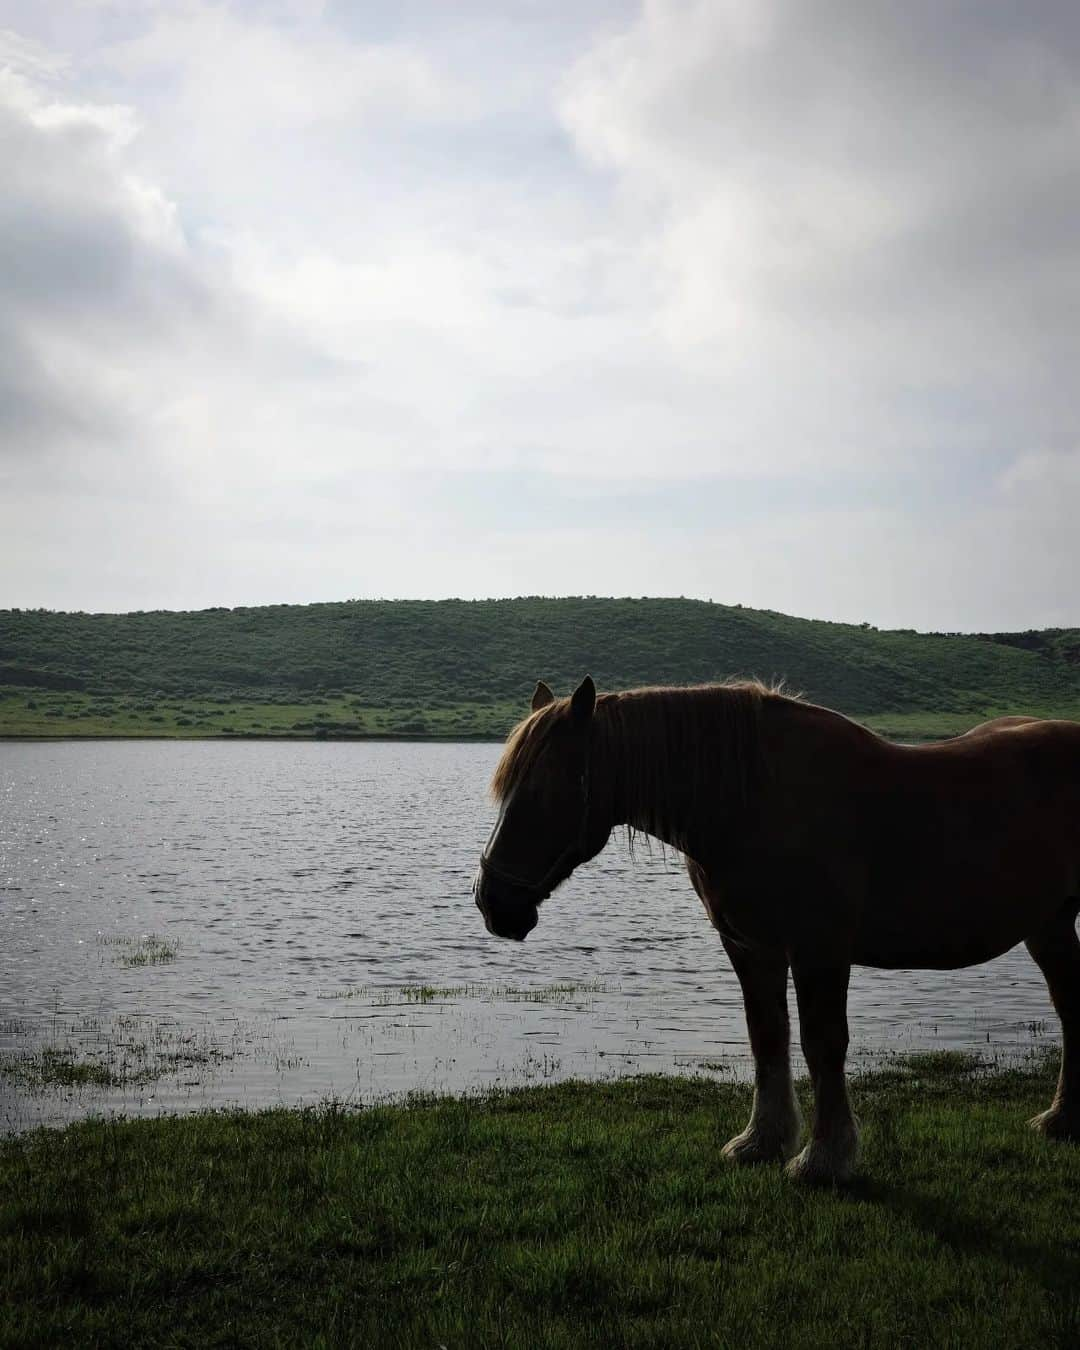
<point>504,916</point>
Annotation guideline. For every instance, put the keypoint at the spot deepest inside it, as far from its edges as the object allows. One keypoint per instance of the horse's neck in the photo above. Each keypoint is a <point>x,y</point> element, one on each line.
<point>673,766</point>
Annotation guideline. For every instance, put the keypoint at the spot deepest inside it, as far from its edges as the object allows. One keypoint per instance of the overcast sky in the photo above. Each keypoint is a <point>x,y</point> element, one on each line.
<point>765,301</point>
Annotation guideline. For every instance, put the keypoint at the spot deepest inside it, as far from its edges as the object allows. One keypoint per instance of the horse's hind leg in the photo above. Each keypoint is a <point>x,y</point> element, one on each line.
<point>1056,951</point>
<point>821,988</point>
<point>772,1134</point>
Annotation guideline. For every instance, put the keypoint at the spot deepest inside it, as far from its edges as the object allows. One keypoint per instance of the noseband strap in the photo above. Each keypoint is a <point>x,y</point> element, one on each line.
<point>535,891</point>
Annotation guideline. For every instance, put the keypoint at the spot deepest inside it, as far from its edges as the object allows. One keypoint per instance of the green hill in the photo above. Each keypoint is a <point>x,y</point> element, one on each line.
<point>465,667</point>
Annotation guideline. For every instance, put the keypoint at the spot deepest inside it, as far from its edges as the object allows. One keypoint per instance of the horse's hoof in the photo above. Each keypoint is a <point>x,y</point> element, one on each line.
<point>823,1164</point>
<point>1057,1124</point>
<point>750,1147</point>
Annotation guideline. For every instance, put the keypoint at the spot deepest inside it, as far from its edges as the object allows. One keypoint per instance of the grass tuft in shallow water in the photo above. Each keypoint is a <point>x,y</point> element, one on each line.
<point>56,1066</point>
<point>383,995</point>
<point>149,949</point>
<point>135,1052</point>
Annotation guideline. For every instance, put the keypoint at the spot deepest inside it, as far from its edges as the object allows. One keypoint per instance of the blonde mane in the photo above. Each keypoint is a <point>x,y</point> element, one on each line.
<point>661,743</point>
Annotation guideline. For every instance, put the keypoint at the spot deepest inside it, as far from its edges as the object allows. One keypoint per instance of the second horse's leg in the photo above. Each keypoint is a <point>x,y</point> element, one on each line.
<point>772,1134</point>
<point>821,990</point>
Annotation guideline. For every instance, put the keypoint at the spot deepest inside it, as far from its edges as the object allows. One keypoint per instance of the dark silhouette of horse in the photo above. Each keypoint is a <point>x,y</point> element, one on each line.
<point>814,845</point>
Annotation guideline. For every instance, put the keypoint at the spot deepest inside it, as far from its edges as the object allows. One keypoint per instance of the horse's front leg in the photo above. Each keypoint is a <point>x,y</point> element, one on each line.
<point>821,988</point>
<point>772,1134</point>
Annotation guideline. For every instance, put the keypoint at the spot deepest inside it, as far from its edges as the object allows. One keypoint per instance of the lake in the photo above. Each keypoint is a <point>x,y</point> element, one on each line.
<point>213,923</point>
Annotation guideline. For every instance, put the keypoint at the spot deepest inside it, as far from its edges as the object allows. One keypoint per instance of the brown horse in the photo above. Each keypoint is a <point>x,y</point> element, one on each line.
<point>814,845</point>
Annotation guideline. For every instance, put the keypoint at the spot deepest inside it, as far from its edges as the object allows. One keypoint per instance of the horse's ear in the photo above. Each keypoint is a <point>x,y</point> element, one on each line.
<point>542,696</point>
<point>583,699</point>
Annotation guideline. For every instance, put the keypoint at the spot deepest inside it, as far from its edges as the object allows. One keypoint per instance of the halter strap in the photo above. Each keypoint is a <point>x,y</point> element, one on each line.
<point>535,891</point>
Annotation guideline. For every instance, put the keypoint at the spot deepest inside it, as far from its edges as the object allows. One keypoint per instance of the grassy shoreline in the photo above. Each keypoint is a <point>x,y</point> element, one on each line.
<point>568,1215</point>
<point>287,736</point>
<point>63,715</point>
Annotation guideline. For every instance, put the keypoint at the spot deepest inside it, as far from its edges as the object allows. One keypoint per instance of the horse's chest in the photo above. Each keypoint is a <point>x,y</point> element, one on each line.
<point>745,913</point>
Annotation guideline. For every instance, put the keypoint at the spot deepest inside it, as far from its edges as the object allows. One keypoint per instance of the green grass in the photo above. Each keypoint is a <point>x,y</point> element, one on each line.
<point>569,1215</point>
<point>147,950</point>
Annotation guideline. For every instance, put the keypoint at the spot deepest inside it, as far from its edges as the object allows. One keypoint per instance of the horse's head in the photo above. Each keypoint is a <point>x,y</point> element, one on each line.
<point>548,822</point>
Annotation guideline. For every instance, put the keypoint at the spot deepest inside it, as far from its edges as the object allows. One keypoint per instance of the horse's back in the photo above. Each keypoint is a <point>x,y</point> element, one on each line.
<point>977,842</point>
<point>1013,779</point>
<point>1001,736</point>
<point>948,853</point>
<point>997,724</point>
<point>1036,742</point>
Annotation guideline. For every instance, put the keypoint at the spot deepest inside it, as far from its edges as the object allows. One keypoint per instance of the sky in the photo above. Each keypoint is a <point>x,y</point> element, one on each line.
<point>770,302</point>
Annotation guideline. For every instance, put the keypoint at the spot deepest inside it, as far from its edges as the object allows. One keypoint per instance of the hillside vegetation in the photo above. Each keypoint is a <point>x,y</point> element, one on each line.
<point>466,667</point>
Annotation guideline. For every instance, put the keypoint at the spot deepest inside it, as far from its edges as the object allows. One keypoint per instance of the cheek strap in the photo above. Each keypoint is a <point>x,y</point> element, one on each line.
<point>535,891</point>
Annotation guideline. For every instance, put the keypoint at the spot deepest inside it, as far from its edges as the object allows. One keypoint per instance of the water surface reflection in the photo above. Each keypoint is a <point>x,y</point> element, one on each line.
<point>315,901</point>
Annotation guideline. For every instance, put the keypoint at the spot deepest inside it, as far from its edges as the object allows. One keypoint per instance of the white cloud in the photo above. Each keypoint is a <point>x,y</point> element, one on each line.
<point>21,55</point>
<point>274,271</point>
<point>242,76</point>
<point>853,203</point>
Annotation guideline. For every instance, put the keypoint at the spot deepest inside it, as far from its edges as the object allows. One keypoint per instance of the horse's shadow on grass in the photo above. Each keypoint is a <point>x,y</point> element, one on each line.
<point>1056,1266</point>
